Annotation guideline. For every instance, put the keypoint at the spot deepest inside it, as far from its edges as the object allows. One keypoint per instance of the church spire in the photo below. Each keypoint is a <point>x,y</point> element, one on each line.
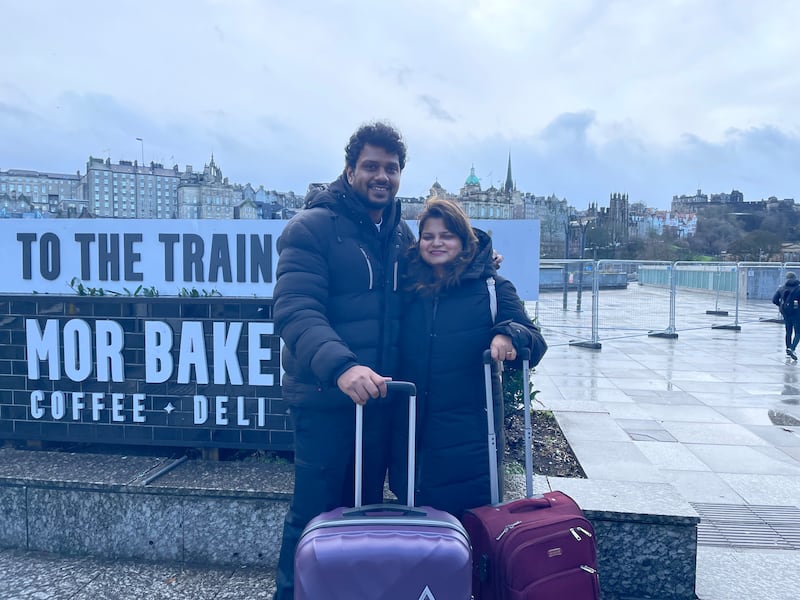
<point>509,185</point>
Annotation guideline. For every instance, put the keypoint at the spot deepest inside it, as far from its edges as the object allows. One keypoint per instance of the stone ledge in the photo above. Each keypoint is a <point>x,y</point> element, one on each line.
<point>227,513</point>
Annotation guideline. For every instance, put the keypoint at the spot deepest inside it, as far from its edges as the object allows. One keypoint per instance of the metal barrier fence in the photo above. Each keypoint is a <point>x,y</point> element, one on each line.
<point>582,302</point>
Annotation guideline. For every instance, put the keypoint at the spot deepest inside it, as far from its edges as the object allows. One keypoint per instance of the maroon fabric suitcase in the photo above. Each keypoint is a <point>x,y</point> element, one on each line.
<point>536,548</point>
<point>384,551</point>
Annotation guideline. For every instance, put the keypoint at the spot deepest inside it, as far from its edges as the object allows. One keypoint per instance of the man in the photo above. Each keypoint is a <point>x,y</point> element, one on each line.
<point>337,308</point>
<point>787,299</point>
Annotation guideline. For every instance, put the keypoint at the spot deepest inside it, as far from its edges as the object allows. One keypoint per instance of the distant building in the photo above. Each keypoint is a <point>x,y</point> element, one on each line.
<point>492,203</point>
<point>272,204</point>
<point>615,219</point>
<point>34,192</point>
<point>505,202</point>
<point>246,210</point>
<point>128,190</point>
<point>684,204</point>
<point>209,195</point>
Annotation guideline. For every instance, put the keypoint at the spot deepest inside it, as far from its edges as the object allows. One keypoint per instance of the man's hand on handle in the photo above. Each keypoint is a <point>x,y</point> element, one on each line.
<point>361,383</point>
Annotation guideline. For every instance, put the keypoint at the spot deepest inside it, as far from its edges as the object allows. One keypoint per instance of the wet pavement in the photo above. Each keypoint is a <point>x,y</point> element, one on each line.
<point>715,413</point>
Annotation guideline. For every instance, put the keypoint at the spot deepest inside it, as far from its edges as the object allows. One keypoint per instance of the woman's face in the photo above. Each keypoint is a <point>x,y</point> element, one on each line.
<point>438,245</point>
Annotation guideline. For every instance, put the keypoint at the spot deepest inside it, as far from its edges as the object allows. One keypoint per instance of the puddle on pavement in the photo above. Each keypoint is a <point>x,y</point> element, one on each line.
<point>780,418</point>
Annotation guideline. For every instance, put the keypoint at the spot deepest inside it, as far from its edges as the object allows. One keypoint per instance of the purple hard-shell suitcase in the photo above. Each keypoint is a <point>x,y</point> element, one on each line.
<point>384,551</point>
<point>536,548</point>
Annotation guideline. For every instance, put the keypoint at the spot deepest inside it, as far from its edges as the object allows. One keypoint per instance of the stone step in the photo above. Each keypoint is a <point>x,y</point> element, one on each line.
<point>231,513</point>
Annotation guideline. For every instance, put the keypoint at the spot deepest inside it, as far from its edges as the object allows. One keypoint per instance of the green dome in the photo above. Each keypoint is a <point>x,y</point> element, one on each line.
<point>472,179</point>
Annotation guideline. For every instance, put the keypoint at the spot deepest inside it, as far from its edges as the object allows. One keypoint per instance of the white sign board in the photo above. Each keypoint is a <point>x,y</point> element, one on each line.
<point>518,241</point>
<point>171,256</point>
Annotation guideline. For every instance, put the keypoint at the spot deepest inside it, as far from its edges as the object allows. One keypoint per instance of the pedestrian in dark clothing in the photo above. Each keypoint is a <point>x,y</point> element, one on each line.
<point>337,309</point>
<point>447,325</point>
<point>787,299</point>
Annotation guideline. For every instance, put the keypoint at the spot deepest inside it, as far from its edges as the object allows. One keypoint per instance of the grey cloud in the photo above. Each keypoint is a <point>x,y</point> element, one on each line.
<point>17,114</point>
<point>569,127</point>
<point>101,113</point>
<point>435,109</point>
<point>400,75</point>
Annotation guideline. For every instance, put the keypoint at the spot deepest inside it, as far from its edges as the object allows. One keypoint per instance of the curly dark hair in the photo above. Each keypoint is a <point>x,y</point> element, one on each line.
<point>422,278</point>
<point>378,134</point>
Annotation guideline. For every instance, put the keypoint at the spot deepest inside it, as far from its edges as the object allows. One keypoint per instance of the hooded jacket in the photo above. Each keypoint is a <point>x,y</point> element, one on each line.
<point>336,301</point>
<point>442,343</point>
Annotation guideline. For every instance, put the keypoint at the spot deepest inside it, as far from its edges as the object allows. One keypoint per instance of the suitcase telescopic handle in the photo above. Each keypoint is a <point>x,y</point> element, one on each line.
<point>405,387</point>
<point>525,355</point>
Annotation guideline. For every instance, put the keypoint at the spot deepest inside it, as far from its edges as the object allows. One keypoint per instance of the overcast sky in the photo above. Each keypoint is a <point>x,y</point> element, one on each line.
<point>649,98</point>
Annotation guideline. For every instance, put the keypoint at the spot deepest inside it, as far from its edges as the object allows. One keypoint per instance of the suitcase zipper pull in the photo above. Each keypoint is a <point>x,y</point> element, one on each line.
<point>584,532</point>
<point>588,569</point>
<point>506,529</point>
<point>575,534</point>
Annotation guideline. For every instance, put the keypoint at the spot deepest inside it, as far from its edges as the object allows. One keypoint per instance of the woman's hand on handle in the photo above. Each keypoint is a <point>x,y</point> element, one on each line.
<point>502,348</point>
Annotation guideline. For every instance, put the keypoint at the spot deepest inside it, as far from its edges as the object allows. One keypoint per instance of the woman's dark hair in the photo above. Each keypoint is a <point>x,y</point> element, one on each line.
<point>457,222</point>
<point>377,134</point>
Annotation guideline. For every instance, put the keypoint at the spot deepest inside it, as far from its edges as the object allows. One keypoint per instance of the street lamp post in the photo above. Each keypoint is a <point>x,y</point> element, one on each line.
<point>140,183</point>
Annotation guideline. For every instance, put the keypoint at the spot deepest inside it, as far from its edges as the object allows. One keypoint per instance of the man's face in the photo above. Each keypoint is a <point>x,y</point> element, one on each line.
<point>376,176</point>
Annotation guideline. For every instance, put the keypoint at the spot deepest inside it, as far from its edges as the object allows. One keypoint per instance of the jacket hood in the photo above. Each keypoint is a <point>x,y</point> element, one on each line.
<point>482,265</point>
<point>339,197</point>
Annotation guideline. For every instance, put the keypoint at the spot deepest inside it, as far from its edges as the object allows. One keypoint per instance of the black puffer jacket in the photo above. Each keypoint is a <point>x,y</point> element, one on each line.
<point>442,344</point>
<point>336,300</point>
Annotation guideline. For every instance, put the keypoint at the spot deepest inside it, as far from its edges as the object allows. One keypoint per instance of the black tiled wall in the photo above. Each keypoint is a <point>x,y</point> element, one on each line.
<point>162,426</point>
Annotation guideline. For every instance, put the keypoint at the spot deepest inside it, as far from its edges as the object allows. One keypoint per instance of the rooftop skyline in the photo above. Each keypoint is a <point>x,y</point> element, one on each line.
<point>589,98</point>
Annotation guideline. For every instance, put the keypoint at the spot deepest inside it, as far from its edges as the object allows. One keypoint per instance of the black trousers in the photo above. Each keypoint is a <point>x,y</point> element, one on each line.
<point>792,332</point>
<point>324,472</point>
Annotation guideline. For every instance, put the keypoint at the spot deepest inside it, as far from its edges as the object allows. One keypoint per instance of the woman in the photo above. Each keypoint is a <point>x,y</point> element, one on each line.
<point>447,325</point>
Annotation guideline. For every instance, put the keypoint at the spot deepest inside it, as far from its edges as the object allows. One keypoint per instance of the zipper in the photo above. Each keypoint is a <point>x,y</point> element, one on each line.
<point>421,406</point>
<point>369,266</point>
<point>591,580</point>
<point>506,529</point>
<point>576,532</point>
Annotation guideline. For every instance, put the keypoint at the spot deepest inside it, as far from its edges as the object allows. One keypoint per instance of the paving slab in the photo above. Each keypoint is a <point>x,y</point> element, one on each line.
<point>671,456</point>
<point>769,575</point>
<point>765,489</point>
<point>45,576</point>
<point>744,459</point>
<point>712,433</point>
<point>684,412</point>
<point>595,427</point>
<point>702,486</point>
<point>615,461</point>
